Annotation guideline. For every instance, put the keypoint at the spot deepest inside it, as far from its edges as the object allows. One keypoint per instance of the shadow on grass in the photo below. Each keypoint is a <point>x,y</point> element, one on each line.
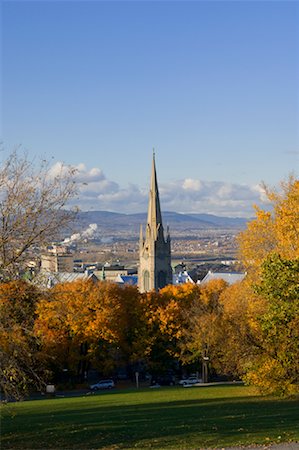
<point>175,424</point>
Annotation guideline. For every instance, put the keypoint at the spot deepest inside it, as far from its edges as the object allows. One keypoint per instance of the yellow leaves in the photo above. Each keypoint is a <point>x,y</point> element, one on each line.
<point>170,318</point>
<point>210,292</point>
<point>182,291</point>
<point>275,231</point>
<point>257,240</point>
<point>270,376</point>
<point>287,219</point>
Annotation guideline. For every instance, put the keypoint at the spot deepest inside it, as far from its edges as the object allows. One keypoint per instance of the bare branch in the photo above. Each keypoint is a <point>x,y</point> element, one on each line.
<point>33,207</point>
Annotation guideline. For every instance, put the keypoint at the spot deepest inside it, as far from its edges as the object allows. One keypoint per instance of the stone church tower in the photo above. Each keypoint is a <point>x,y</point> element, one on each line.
<point>154,251</point>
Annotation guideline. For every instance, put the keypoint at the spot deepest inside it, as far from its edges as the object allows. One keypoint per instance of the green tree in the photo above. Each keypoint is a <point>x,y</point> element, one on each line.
<point>276,366</point>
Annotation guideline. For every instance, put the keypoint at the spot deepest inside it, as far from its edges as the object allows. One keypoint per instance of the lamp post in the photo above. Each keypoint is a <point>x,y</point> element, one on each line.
<point>205,369</point>
<point>205,361</point>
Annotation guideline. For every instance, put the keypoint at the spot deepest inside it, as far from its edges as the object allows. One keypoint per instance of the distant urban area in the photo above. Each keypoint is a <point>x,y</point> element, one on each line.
<point>106,245</point>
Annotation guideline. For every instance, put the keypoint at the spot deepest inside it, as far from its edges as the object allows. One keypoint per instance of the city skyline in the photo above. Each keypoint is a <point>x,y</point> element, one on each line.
<point>212,86</point>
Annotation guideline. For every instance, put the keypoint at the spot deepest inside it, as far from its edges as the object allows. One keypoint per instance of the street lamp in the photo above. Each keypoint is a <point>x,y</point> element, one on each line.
<point>205,361</point>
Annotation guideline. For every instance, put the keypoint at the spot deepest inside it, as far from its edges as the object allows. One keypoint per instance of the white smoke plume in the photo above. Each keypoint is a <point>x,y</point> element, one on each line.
<point>86,234</point>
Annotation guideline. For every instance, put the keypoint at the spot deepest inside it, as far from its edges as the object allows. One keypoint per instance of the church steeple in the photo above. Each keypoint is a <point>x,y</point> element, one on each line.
<point>154,260</point>
<point>154,217</point>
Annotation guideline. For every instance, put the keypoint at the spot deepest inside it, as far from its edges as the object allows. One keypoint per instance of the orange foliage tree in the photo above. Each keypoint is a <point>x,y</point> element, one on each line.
<point>20,368</point>
<point>82,323</point>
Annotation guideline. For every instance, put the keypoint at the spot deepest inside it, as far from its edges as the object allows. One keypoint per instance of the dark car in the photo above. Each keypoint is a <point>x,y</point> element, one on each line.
<point>163,380</point>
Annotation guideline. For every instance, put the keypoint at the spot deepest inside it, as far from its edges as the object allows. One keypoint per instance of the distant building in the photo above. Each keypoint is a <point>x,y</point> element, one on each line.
<point>131,280</point>
<point>66,277</point>
<point>229,277</point>
<point>182,278</point>
<point>154,270</point>
<point>110,272</point>
<point>57,262</point>
<point>46,279</point>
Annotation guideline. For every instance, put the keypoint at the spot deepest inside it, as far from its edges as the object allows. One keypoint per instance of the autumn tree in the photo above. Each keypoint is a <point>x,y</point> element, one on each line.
<point>20,368</point>
<point>269,249</point>
<point>83,323</point>
<point>33,201</point>
<point>275,230</point>
<point>62,317</point>
<point>202,337</point>
<point>167,316</point>
<point>275,368</point>
<point>239,330</point>
<point>261,330</point>
<point>122,319</point>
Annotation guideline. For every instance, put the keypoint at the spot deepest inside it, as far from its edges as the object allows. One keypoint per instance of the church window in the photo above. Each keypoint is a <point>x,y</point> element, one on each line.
<point>146,280</point>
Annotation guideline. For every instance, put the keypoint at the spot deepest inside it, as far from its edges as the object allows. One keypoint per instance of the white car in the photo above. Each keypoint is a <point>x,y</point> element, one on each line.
<point>190,380</point>
<point>103,384</point>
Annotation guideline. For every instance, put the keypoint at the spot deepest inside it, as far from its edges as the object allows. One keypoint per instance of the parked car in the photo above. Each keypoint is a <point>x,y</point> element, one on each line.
<point>103,384</point>
<point>190,380</point>
<point>163,380</point>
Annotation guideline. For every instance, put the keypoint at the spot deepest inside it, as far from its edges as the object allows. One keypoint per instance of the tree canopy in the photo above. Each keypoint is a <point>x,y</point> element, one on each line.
<point>275,230</point>
<point>33,208</point>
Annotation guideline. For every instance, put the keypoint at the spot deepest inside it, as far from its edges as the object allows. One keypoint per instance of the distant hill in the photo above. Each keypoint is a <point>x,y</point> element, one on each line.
<point>115,223</point>
<point>231,222</point>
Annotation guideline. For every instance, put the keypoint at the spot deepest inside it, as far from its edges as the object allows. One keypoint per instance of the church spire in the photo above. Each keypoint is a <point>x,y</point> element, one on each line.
<point>154,271</point>
<point>154,217</point>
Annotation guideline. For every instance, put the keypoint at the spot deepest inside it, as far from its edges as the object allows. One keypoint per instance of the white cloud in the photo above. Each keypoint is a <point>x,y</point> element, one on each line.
<point>192,185</point>
<point>96,192</point>
<point>93,175</point>
<point>261,191</point>
<point>57,170</point>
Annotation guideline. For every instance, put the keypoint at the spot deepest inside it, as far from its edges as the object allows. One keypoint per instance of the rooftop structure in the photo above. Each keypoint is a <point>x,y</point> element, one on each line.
<point>229,277</point>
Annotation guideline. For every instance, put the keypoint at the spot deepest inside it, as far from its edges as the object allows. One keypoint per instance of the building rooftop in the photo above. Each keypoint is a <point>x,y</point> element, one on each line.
<point>229,277</point>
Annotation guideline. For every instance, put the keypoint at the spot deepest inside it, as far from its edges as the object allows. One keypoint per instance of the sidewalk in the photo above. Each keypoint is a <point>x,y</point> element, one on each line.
<point>282,446</point>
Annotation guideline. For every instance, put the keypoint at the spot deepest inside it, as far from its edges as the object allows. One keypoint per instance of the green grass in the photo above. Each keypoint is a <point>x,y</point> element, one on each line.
<point>166,418</point>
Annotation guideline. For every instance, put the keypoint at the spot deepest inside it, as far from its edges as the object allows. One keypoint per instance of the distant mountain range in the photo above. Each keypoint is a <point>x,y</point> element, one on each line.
<point>111,223</point>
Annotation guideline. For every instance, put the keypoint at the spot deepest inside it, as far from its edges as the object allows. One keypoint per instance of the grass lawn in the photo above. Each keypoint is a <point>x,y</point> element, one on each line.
<point>165,418</point>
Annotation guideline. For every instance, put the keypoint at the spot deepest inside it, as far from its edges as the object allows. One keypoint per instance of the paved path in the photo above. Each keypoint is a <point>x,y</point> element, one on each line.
<point>282,446</point>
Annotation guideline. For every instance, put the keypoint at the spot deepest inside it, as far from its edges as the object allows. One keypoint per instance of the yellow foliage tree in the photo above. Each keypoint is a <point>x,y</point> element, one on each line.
<point>240,330</point>
<point>166,314</point>
<point>269,249</point>
<point>273,231</point>
<point>202,336</point>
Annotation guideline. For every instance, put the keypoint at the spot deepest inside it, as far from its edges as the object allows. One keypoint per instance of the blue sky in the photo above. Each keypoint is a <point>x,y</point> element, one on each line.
<point>213,86</point>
